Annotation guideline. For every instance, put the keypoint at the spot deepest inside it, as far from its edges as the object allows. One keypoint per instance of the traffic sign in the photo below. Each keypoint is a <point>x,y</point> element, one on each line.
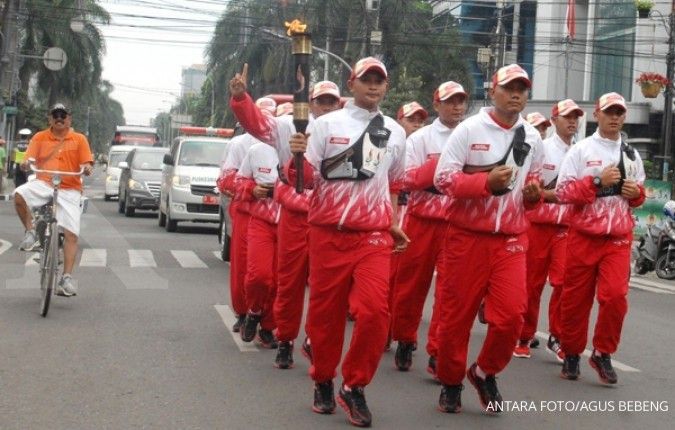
<point>55,58</point>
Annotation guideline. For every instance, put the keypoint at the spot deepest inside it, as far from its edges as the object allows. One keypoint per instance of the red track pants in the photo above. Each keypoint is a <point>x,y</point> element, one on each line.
<point>261,282</point>
<point>238,246</point>
<point>348,271</point>
<point>545,259</point>
<point>480,266</point>
<point>600,267</point>
<point>292,271</point>
<point>413,279</point>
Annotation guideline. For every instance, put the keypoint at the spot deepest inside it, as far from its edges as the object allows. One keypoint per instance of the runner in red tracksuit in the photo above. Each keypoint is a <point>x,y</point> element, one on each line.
<point>539,122</point>
<point>547,235</point>
<point>255,183</point>
<point>293,258</point>
<point>355,163</point>
<point>485,245</point>
<point>426,222</point>
<point>603,177</point>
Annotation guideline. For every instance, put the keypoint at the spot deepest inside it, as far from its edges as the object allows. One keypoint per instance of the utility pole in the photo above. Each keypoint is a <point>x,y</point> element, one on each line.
<point>668,94</point>
<point>7,63</point>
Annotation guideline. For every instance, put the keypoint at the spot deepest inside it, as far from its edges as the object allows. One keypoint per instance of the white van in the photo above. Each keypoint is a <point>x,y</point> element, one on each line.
<point>117,154</point>
<point>189,175</point>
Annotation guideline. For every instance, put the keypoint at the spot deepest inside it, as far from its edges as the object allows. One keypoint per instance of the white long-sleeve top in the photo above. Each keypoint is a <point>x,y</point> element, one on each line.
<point>596,216</point>
<point>480,140</point>
<point>259,167</point>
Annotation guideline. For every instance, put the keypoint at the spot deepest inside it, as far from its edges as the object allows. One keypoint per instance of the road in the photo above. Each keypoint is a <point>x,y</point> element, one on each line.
<point>146,344</point>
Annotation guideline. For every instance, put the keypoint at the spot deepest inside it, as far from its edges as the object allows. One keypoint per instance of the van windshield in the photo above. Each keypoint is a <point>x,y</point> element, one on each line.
<point>116,158</point>
<point>148,161</point>
<point>199,153</point>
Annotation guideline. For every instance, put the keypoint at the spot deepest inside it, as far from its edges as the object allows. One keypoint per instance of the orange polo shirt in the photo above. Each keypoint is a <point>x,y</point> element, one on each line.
<point>74,152</point>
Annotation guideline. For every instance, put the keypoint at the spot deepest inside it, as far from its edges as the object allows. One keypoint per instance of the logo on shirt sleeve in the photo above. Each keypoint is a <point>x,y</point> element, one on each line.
<point>549,166</point>
<point>593,163</point>
<point>264,169</point>
<point>339,140</point>
<point>480,147</point>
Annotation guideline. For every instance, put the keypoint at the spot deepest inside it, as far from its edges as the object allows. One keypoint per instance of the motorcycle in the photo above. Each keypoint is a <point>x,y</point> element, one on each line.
<point>656,248</point>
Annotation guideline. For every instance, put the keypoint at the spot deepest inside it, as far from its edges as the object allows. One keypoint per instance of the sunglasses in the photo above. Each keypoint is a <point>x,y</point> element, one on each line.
<point>59,115</point>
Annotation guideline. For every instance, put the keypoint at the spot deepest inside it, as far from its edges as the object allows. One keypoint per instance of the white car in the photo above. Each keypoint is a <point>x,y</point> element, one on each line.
<point>117,154</point>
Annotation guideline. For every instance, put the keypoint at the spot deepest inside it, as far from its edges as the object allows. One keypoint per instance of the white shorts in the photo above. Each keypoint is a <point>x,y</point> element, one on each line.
<point>68,211</point>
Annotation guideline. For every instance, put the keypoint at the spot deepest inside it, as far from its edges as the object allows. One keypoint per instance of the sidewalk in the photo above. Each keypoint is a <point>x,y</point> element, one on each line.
<point>7,188</point>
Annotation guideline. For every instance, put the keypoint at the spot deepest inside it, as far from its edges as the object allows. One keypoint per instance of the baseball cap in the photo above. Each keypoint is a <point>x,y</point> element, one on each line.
<point>285,109</point>
<point>325,88</point>
<point>610,99</point>
<point>59,107</point>
<point>267,104</point>
<point>410,109</point>
<point>366,64</point>
<point>537,119</point>
<point>447,90</point>
<point>566,107</point>
<point>510,73</point>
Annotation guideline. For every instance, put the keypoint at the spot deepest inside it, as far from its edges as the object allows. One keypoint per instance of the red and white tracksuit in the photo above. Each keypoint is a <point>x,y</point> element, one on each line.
<point>293,229</point>
<point>238,147</point>
<point>547,237</point>
<point>351,246</point>
<point>599,246</point>
<point>259,168</point>
<point>425,224</point>
<point>485,245</point>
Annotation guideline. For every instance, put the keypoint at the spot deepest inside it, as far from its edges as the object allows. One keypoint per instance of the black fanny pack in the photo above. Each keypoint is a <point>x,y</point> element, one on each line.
<point>360,161</point>
<point>627,167</point>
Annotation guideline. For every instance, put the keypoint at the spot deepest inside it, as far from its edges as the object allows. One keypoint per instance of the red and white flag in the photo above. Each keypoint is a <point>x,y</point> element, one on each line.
<point>570,21</point>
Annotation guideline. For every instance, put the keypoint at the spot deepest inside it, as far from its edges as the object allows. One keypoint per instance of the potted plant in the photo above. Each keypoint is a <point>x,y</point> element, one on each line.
<point>643,7</point>
<point>651,84</point>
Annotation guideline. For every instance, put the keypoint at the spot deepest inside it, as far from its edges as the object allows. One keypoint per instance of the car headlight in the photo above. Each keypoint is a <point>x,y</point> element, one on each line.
<point>180,181</point>
<point>135,185</point>
<point>112,178</point>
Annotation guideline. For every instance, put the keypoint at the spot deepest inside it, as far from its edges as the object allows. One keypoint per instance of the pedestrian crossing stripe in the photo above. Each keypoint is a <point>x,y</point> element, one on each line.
<point>135,258</point>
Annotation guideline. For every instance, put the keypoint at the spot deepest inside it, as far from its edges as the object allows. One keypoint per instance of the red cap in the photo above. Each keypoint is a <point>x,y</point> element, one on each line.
<point>610,99</point>
<point>537,119</point>
<point>410,109</point>
<point>510,73</point>
<point>566,107</point>
<point>366,64</point>
<point>447,90</point>
<point>285,109</point>
<point>325,87</point>
<point>266,104</point>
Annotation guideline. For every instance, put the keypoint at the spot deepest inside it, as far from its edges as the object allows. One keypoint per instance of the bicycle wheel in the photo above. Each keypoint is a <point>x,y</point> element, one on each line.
<point>50,267</point>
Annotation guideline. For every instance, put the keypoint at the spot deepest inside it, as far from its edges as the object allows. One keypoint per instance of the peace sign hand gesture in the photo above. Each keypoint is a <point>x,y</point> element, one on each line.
<point>238,83</point>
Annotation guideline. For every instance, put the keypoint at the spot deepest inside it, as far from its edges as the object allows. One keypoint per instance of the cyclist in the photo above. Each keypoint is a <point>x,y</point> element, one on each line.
<point>57,148</point>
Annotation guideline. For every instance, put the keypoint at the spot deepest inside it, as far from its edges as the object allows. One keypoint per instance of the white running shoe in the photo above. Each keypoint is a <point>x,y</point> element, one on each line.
<point>66,287</point>
<point>29,242</point>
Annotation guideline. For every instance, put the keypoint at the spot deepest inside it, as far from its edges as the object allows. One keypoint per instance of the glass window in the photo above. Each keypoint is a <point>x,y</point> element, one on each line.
<point>116,158</point>
<point>201,153</point>
<point>148,160</point>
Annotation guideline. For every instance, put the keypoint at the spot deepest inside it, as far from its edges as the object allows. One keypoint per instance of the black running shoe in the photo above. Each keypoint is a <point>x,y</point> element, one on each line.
<point>481,313</point>
<point>324,399</point>
<point>307,350</point>
<point>354,403</point>
<point>534,343</point>
<point>250,327</point>
<point>431,368</point>
<point>487,390</point>
<point>553,346</point>
<point>267,339</point>
<point>451,399</point>
<point>403,357</point>
<point>570,369</point>
<point>603,365</point>
<point>240,321</point>
<point>284,358</point>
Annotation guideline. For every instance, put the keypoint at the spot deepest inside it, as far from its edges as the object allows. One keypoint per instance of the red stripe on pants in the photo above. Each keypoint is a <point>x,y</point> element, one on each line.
<point>261,269</point>
<point>348,271</point>
<point>545,259</point>
<point>480,266</point>
<point>238,246</point>
<point>293,268</point>
<point>600,266</point>
<point>415,272</point>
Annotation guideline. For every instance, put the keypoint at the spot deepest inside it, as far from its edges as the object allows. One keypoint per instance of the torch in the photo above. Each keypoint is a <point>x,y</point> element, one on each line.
<point>301,50</point>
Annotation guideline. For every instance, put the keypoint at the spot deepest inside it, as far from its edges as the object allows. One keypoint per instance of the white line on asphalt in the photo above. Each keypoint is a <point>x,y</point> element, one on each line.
<point>188,259</point>
<point>650,283</point>
<point>619,365</point>
<point>229,319</point>
<point>650,289</point>
<point>216,253</point>
<point>4,246</point>
<point>141,258</point>
<point>93,257</point>
<point>31,258</point>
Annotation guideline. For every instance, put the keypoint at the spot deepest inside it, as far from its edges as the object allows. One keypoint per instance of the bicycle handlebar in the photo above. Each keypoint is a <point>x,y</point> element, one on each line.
<point>57,172</point>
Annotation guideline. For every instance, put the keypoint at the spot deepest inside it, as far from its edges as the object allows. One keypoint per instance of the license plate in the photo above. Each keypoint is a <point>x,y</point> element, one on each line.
<point>210,199</point>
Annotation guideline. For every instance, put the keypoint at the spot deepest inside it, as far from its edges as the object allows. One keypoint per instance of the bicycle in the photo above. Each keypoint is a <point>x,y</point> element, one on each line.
<point>49,237</point>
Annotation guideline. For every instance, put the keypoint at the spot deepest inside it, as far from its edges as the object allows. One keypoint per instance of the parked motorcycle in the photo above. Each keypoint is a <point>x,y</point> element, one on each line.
<point>656,248</point>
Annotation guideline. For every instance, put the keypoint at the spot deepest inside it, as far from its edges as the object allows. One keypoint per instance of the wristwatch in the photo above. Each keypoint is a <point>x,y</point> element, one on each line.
<point>597,182</point>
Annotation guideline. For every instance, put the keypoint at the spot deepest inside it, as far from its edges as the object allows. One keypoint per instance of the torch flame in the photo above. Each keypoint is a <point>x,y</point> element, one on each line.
<point>296,26</point>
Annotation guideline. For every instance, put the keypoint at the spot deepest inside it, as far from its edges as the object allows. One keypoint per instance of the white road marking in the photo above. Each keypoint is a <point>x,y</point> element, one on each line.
<point>229,319</point>
<point>216,253</point>
<point>93,257</point>
<point>141,258</point>
<point>31,257</point>
<point>4,246</point>
<point>188,259</point>
<point>617,364</point>
<point>140,278</point>
<point>649,285</point>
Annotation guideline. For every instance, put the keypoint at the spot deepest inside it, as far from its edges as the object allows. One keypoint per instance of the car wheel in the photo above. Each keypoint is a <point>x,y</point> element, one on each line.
<point>120,204</point>
<point>129,210</point>
<point>107,197</point>
<point>161,219</point>
<point>171,225</point>
<point>224,243</point>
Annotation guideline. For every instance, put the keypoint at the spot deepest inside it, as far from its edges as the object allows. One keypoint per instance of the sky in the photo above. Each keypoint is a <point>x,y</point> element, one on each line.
<point>148,43</point>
